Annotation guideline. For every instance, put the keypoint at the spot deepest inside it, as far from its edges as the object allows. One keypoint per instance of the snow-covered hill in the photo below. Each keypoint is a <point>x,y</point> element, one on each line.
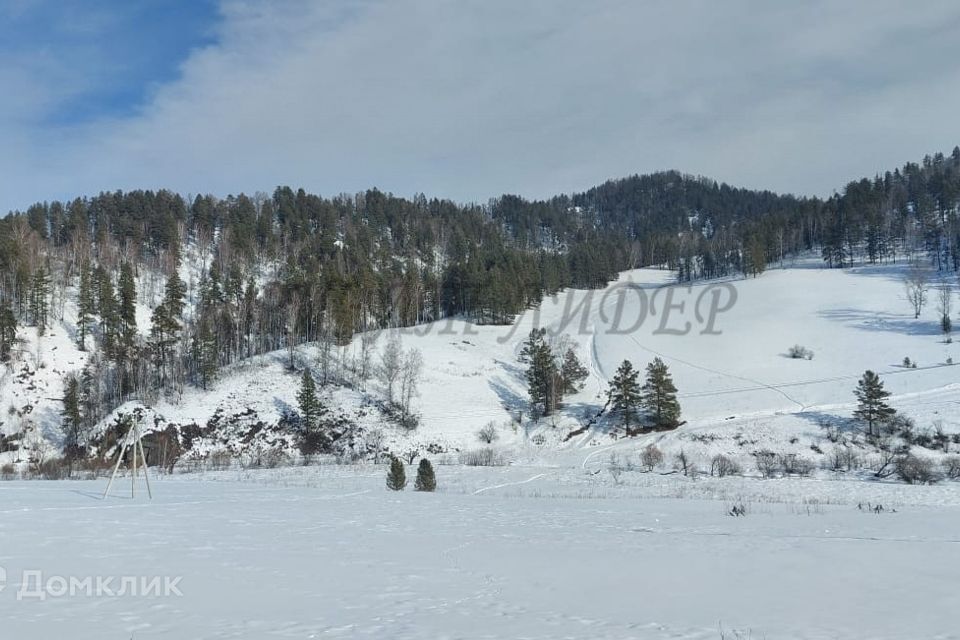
<point>725,343</point>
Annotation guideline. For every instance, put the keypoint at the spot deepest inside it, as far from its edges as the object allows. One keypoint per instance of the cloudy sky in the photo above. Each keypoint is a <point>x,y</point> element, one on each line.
<point>466,99</point>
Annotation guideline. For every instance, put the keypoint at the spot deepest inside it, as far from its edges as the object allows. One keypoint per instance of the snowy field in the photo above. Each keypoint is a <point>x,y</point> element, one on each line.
<point>510,552</point>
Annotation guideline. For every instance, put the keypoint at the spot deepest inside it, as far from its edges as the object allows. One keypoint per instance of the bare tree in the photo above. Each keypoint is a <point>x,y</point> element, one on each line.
<point>391,362</point>
<point>651,457</point>
<point>489,433</point>
<point>915,283</point>
<point>368,339</point>
<point>409,380</point>
<point>945,305</point>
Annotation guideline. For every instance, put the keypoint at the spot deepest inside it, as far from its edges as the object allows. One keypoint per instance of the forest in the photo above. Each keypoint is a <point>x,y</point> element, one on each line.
<point>229,278</point>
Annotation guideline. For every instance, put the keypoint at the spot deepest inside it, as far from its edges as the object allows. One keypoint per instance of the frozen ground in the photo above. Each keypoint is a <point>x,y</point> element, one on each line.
<point>511,552</point>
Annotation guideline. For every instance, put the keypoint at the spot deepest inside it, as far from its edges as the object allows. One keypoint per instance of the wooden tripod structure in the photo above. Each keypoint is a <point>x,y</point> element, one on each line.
<point>131,441</point>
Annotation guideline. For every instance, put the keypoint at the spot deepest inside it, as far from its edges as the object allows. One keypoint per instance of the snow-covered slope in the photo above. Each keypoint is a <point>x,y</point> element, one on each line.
<point>736,383</point>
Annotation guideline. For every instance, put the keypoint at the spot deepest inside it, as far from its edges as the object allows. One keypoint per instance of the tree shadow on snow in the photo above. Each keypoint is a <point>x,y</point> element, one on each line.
<point>880,321</point>
<point>825,421</point>
<point>509,398</point>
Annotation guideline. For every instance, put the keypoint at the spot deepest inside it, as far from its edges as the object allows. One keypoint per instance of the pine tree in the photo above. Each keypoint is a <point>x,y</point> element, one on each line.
<point>659,395</point>
<point>127,299</point>
<point>872,407</point>
<point>396,477</point>
<point>109,315</point>
<point>72,420</point>
<point>572,372</point>
<point>542,374</point>
<point>8,330</point>
<point>624,393</point>
<point>39,299</point>
<point>85,307</point>
<point>426,479</point>
<point>174,294</point>
<point>205,351</point>
<point>310,406</point>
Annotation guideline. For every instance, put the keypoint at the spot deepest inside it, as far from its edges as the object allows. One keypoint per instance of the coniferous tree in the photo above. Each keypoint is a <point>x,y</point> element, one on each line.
<point>542,375</point>
<point>624,393</point>
<point>205,351</point>
<point>127,310</point>
<point>165,327</point>
<point>40,299</point>
<point>572,372</point>
<point>85,307</point>
<point>659,395</point>
<point>8,330</point>
<point>310,406</point>
<point>109,314</point>
<point>872,407</point>
<point>426,479</point>
<point>71,419</point>
<point>174,294</point>
<point>396,477</point>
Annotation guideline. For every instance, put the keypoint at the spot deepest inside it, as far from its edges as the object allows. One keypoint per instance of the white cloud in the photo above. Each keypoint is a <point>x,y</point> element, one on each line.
<point>473,99</point>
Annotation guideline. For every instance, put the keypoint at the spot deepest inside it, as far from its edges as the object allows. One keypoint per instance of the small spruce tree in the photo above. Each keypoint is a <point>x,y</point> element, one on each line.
<point>872,408</point>
<point>659,395</point>
<point>310,408</point>
<point>426,479</point>
<point>572,372</point>
<point>624,393</point>
<point>396,477</point>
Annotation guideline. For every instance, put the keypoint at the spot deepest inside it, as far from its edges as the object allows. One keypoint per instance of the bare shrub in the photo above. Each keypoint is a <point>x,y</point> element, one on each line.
<point>899,424</point>
<point>488,434</point>
<point>8,471</point>
<point>738,509</point>
<point>941,437</point>
<point>219,460</point>
<point>485,457</point>
<point>767,464</point>
<point>800,352</point>
<point>722,466</point>
<point>844,459</point>
<point>793,465</point>
<point>683,464</point>
<point>651,457</point>
<point>916,470</point>
<point>53,469</point>
<point>615,467</point>
<point>951,467</point>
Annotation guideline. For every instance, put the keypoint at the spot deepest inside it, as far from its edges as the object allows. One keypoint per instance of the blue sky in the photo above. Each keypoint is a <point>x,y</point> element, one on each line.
<point>102,58</point>
<point>467,99</point>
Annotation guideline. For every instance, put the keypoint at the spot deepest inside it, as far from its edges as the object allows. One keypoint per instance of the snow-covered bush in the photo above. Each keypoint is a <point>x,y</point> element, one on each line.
<point>916,470</point>
<point>485,457</point>
<point>651,457</point>
<point>800,352</point>
<point>844,459</point>
<point>793,465</point>
<point>951,467</point>
<point>722,466</point>
<point>767,464</point>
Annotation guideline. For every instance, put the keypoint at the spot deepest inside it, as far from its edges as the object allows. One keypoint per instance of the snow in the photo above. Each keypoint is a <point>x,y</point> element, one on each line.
<point>329,552</point>
<point>557,543</point>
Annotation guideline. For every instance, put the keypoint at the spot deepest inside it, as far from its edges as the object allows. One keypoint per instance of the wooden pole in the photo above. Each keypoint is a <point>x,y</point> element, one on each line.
<point>123,447</point>
<point>133,480</point>
<point>146,477</point>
